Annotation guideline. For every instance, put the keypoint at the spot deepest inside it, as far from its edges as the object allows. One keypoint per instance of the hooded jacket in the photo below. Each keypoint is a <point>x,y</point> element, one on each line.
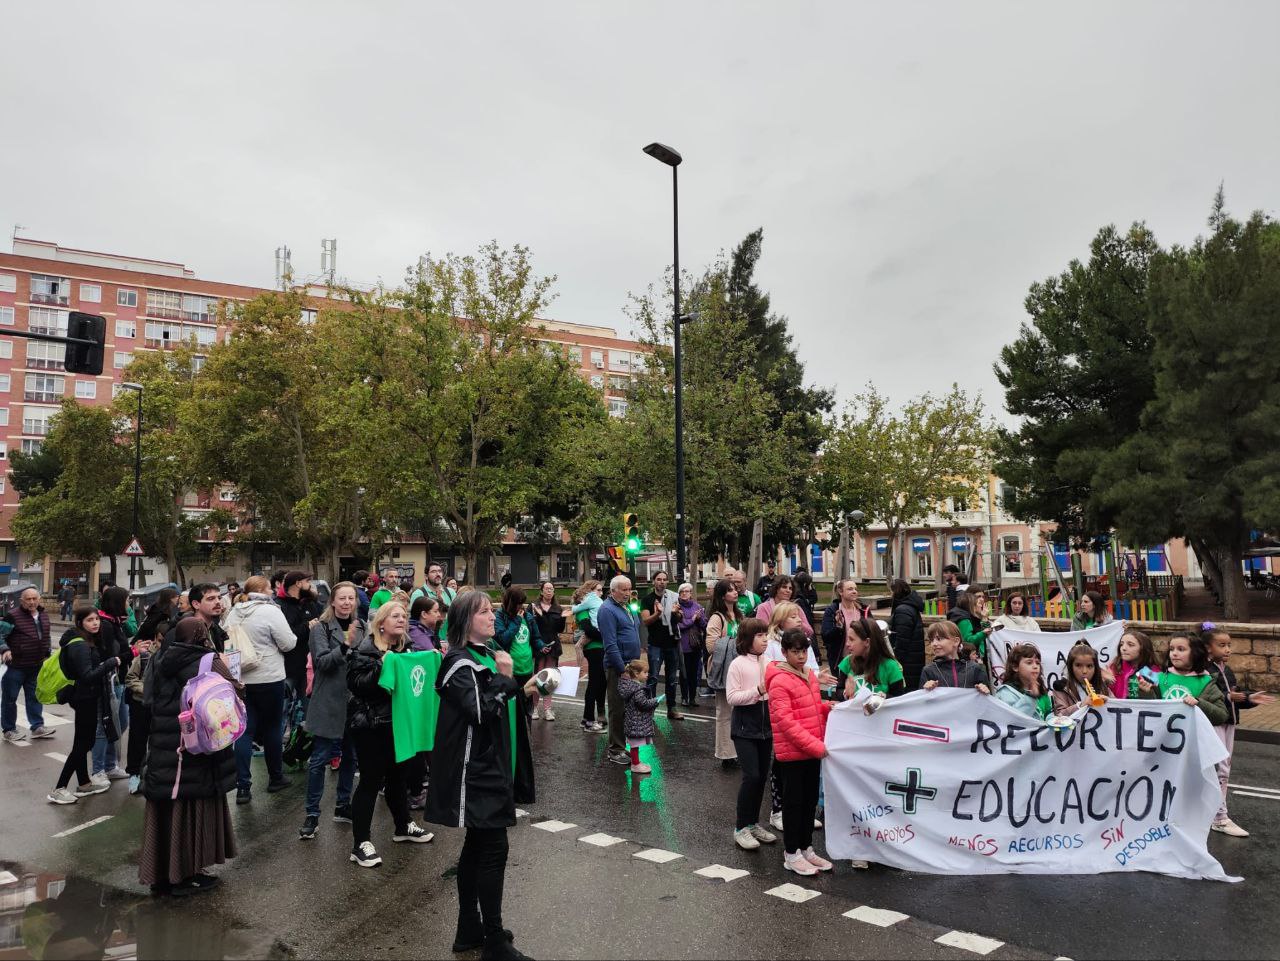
<point>85,666</point>
<point>638,709</point>
<point>270,633</point>
<point>906,627</point>
<point>797,714</point>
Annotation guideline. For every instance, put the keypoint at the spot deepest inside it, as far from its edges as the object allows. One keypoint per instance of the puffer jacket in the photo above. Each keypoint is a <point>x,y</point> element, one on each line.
<point>952,672</point>
<point>906,625</point>
<point>370,706</point>
<point>85,666</point>
<point>270,633</point>
<point>28,642</point>
<point>797,714</point>
<point>639,708</point>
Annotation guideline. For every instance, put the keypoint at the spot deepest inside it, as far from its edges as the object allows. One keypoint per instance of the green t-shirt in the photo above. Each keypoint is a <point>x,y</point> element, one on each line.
<point>887,674</point>
<point>410,676</point>
<point>521,650</point>
<point>585,618</point>
<point>748,602</point>
<point>1174,687</point>
<point>380,597</point>
<point>488,661</point>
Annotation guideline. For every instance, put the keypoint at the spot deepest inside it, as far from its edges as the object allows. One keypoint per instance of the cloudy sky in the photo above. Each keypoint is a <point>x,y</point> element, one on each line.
<point>914,165</point>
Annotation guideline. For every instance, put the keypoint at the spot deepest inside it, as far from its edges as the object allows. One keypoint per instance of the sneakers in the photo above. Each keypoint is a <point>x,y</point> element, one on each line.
<point>641,769</point>
<point>365,855</point>
<point>414,835</point>
<point>549,714</point>
<point>819,862</point>
<point>744,839</point>
<point>42,731</point>
<point>100,778</point>
<point>817,824</point>
<point>775,820</point>
<point>799,864</point>
<point>1229,828</point>
<point>309,828</point>
<point>279,785</point>
<point>342,814</point>
<point>135,783</point>
<point>536,714</point>
<point>860,865</point>
<point>14,736</point>
<point>620,757</point>
<point>61,796</point>
<point>243,795</point>
<point>93,787</point>
<point>763,836</point>
<point>593,727</point>
<point>117,773</point>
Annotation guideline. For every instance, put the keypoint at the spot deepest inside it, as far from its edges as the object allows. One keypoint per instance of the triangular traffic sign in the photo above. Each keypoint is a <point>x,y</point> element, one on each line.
<point>134,549</point>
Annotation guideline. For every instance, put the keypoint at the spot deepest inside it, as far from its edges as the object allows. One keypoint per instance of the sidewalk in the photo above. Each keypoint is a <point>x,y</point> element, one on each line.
<point>1260,724</point>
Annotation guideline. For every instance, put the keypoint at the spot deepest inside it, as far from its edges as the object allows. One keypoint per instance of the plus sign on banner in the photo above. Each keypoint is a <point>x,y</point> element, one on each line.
<point>955,782</point>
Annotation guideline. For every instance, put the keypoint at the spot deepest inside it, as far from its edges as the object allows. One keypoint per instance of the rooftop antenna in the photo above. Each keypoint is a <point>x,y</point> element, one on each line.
<point>284,269</point>
<point>329,259</point>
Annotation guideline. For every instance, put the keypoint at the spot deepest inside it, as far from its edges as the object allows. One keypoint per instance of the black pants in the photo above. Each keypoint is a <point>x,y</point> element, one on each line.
<point>799,802</point>
<point>664,659</point>
<point>264,717</point>
<point>482,868</point>
<point>88,713</point>
<point>754,755</point>
<point>416,770</point>
<point>378,769</point>
<point>139,732</point>
<point>595,685</point>
<point>689,676</point>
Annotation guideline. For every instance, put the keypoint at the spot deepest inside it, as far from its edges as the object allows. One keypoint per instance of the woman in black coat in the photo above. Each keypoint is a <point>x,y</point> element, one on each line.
<point>547,648</point>
<point>473,782</point>
<point>906,626</point>
<point>83,663</point>
<point>182,836</point>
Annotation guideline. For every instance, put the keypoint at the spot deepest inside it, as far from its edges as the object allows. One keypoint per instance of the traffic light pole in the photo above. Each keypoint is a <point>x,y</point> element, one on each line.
<point>679,371</point>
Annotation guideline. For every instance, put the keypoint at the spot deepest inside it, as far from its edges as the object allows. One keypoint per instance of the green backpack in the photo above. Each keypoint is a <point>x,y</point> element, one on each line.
<point>50,681</point>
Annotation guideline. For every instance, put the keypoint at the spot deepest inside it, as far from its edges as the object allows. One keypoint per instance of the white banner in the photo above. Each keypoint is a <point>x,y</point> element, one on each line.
<point>1054,647</point>
<point>955,782</point>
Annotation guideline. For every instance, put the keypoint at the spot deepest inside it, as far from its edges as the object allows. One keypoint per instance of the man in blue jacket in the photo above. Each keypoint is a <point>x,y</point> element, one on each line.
<point>621,634</point>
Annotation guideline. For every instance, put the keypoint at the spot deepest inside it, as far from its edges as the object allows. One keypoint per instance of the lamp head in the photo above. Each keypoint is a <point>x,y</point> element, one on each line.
<point>660,151</point>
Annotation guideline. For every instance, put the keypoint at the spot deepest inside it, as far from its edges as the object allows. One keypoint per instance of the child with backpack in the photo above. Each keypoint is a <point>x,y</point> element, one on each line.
<point>83,686</point>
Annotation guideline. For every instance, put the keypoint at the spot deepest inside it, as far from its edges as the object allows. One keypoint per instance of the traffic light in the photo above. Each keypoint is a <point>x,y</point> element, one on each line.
<point>85,358</point>
<point>631,539</point>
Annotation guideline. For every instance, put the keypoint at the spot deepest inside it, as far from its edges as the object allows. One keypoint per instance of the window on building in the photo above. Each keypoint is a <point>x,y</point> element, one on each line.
<point>44,356</point>
<point>308,317</point>
<point>638,362</point>
<point>924,564</point>
<point>91,293</point>
<point>566,567</point>
<point>164,303</point>
<point>8,284</point>
<point>200,309</point>
<point>50,290</point>
<point>6,316</point>
<point>597,359</point>
<point>227,495</point>
<point>86,389</point>
<point>959,504</point>
<point>44,388</point>
<point>126,298</point>
<point>1011,548</point>
<point>575,354</point>
<point>31,446</point>
<point>2,477</point>
<point>4,450</point>
<point>35,420</point>
<point>122,360</point>
<point>197,364</point>
<point>619,382</point>
<point>116,391</point>
<point>597,382</point>
<point>620,360</point>
<point>126,328</point>
<point>5,384</point>
<point>617,407</point>
<point>42,320</point>
<point>4,416</point>
<point>6,348</point>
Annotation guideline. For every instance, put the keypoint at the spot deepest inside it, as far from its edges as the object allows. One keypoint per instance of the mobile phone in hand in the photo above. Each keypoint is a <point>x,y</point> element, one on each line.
<point>1151,676</point>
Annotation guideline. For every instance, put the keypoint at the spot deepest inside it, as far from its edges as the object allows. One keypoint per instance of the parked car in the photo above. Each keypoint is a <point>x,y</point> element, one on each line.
<point>10,593</point>
<point>143,597</point>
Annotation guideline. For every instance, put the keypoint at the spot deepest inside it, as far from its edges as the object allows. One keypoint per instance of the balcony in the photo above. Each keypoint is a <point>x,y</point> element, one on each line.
<point>164,313</point>
<point>41,397</point>
<point>36,428</point>
<point>53,300</point>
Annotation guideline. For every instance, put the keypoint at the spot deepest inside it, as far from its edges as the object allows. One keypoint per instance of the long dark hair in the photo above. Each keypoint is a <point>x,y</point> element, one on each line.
<point>719,605</point>
<point>115,601</point>
<point>80,613</point>
<point>159,615</point>
<point>899,589</point>
<point>1017,654</point>
<point>512,598</point>
<point>1068,679</point>
<point>878,650</point>
<point>783,580</point>
<point>460,614</point>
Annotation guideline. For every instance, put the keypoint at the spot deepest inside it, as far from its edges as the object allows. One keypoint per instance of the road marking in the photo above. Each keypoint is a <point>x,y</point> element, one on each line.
<point>1267,797</point>
<point>81,827</point>
<point>521,813</point>
<point>880,917</point>
<point>601,840</point>
<point>554,827</point>
<point>7,877</point>
<point>969,942</point>
<point>794,893</point>
<point>720,871</point>
<point>61,758</point>
<point>19,743</point>
<point>657,855</point>
<point>1254,787</point>
<point>52,720</point>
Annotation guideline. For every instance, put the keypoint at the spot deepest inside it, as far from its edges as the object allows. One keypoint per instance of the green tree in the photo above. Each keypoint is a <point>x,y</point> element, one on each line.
<point>1079,376</point>
<point>85,513</point>
<point>1206,462</point>
<point>899,468</point>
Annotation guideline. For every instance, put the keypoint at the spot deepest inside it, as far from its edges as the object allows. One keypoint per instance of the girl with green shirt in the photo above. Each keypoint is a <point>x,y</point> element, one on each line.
<point>513,631</point>
<point>869,663</point>
<point>1188,679</point>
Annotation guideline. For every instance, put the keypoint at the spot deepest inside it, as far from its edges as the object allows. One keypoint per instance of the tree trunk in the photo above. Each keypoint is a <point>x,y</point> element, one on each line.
<point>112,559</point>
<point>1235,597</point>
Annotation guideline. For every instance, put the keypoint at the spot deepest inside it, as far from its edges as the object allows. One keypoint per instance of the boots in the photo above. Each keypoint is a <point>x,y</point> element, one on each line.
<point>470,935</point>
<point>498,948</point>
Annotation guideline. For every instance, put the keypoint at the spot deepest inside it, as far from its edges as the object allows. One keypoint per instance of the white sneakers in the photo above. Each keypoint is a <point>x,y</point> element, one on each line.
<point>61,796</point>
<point>860,865</point>
<point>93,787</point>
<point>42,731</point>
<point>775,820</point>
<point>1229,828</point>
<point>641,769</point>
<point>14,736</point>
<point>549,714</point>
<point>750,838</point>
<point>100,778</point>
<point>763,836</point>
<point>365,855</point>
<point>117,773</point>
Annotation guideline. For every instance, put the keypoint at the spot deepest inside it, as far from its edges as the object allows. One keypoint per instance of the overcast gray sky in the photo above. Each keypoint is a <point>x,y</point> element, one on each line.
<point>914,165</point>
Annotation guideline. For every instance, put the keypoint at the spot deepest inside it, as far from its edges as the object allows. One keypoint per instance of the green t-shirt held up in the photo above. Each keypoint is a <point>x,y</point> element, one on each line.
<point>887,674</point>
<point>410,677</point>
<point>522,650</point>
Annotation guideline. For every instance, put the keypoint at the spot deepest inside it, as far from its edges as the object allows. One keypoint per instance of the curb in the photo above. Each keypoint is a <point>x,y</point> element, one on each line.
<point>1257,736</point>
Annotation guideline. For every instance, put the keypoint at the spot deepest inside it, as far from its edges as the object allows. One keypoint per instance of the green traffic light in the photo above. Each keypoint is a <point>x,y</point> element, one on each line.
<point>634,607</point>
<point>633,544</point>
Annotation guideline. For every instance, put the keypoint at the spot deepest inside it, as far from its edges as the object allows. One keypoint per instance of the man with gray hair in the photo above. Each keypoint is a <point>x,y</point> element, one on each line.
<point>23,651</point>
<point>621,635</point>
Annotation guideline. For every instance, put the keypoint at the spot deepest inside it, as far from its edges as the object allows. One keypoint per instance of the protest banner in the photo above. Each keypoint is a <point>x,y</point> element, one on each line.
<point>1054,647</point>
<point>955,782</point>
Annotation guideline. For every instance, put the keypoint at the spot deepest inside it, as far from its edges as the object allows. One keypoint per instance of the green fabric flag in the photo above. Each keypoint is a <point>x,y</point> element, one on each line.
<point>410,677</point>
<point>487,660</point>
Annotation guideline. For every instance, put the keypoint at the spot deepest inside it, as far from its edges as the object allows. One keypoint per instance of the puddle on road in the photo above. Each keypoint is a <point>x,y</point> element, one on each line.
<point>46,915</point>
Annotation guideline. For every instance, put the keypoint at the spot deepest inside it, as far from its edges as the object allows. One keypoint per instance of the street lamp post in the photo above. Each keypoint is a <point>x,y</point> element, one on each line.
<point>672,159</point>
<point>137,479</point>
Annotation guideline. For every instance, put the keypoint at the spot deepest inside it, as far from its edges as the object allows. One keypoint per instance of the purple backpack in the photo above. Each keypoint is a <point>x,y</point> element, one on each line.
<point>212,716</point>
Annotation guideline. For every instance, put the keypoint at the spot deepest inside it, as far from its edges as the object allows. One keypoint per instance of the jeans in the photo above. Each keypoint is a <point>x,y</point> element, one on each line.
<point>378,769</point>
<point>691,667</point>
<point>17,679</point>
<point>617,740</point>
<point>660,657</point>
<point>264,718</point>
<point>77,763</point>
<point>799,802</point>
<point>595,684</point>
<point>106,756</point>
<point>754,754</point>
<point>482,868</point>
<point>323,749</point>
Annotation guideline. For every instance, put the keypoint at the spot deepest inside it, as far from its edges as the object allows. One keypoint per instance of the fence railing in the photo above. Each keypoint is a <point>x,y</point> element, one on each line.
<point>1161,602</point>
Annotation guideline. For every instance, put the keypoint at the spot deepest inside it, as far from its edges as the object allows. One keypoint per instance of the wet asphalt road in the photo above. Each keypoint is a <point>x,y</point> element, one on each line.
<point>566,898</point>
